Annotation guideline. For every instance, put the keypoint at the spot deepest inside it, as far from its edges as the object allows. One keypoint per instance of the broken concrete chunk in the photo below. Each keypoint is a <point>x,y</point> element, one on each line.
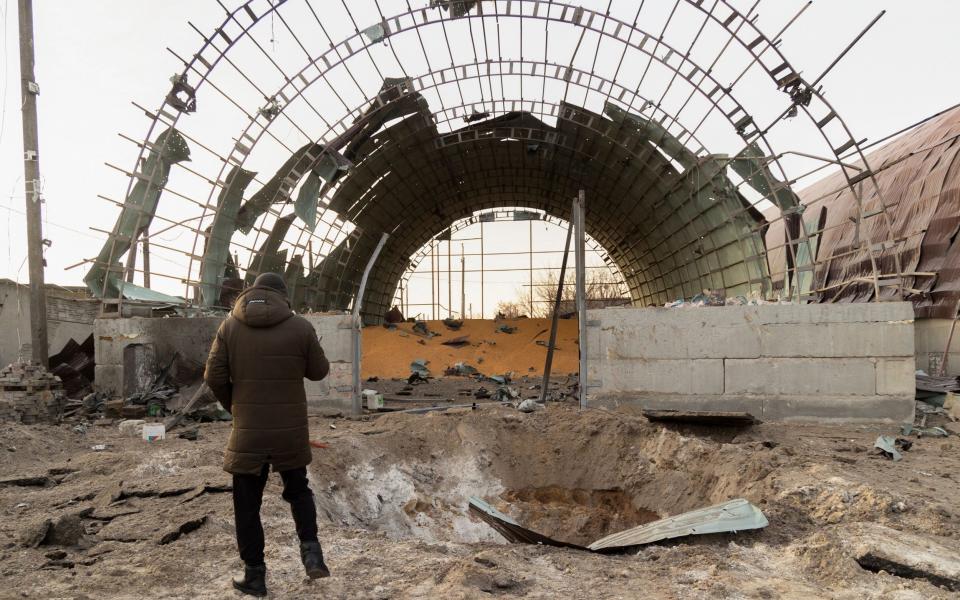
<point>131,427</point>
<point>529,406</point>
<point>878,548</point>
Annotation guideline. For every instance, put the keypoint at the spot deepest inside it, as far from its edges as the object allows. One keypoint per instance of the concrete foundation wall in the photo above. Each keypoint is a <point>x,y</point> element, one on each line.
<point>845,362</point>
<point>192,337</point>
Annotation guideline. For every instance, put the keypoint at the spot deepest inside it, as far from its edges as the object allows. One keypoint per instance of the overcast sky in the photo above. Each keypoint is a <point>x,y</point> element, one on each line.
<point>94,58</point>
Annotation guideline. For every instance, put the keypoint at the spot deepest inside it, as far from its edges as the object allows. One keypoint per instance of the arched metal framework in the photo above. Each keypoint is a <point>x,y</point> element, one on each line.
<point>682,121</point>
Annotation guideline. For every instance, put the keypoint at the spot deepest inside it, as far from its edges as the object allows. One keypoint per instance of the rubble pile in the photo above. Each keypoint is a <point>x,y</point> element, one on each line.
<point>30,394</point>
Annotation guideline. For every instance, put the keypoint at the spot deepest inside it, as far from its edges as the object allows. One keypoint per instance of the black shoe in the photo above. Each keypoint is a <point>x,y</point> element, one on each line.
<point>312,557</point>
<point>254,581</point>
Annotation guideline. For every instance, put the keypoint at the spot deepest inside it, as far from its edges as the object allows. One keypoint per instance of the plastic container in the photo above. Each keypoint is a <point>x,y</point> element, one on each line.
<point>153,432</point>
<point>374,399</point>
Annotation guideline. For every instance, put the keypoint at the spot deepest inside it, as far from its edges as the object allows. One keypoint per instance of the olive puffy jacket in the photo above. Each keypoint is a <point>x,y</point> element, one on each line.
<point>256,367</point>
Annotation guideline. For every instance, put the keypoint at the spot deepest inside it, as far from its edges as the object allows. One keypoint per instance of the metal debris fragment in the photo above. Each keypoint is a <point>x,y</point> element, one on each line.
<point>729,517</point>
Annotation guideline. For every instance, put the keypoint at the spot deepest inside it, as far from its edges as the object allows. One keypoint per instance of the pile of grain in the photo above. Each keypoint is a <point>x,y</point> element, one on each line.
<point>388,353</point>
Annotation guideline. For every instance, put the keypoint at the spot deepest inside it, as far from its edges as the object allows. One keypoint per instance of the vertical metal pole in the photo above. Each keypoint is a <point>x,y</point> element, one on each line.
<point>483,292</point>
<point>578,211</point>
<point>530,266</point>
<point>358,326</point>
<point>548,365</point>
<point>146,258</point>
<point>449,281</point>
<point>433,300</point>
<point>31,180</point>
<point>463,283</point>
<point>131,262</point>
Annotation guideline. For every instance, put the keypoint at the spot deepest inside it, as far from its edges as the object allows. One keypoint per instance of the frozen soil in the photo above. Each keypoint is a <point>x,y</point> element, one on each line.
<point>155,520</point>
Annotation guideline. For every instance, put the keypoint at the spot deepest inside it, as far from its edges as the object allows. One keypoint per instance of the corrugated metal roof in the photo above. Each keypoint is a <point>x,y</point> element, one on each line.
<point>918,178</point>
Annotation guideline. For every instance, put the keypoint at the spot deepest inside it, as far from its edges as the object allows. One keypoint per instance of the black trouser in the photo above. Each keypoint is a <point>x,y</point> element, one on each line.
<point>247,496</point>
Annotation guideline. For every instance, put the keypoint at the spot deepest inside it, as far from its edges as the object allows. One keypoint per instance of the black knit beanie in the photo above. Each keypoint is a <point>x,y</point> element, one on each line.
<point>271,280</point>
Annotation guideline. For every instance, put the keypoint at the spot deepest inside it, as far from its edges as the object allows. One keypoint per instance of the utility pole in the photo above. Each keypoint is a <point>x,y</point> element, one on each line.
<point>31,179</point>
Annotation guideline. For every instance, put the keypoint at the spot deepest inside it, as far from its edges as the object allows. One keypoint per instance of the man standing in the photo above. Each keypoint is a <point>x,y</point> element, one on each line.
<point>256,368</point>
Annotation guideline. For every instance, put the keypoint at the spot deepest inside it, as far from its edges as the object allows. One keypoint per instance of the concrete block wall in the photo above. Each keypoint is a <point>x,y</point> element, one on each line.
<point>69,317</point>
<point>190,336</point>
<point>844,362</point>
<point>193,337</point>
<point>335,391</point>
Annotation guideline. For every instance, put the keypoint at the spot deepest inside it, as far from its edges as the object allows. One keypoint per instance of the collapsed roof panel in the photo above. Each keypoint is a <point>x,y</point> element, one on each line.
<point>137,212</point>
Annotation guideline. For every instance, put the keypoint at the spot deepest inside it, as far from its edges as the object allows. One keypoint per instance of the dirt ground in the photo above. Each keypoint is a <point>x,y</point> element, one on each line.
<point>154,520</point>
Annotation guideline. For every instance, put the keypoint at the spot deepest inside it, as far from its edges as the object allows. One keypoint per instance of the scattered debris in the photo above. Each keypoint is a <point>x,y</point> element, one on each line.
<point>529,405</point>
<point>481,393</point>
<point>499,379</point>
<point>131,427</point>
<point>506,393</point>
<point>887,446</point>
<point>453,324</point>
<point>419,367</point>
<point>190,434</point>
<point>75,366</point>
<point>701,417</point>
<point>458,342</point>
<point>420,328</point>
<point>461,369</point>
<point>937,385</point>
<point>504,328</point>
<point>911,429</point>
<point>30,394</point>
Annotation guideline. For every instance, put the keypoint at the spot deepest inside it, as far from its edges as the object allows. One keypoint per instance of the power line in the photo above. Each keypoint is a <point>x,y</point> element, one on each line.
<point>3,95</point>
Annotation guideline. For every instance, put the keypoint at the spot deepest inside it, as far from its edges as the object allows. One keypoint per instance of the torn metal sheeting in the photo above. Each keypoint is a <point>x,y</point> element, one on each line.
<point>136,292</point>
<point>138,210</point>
<point>924,225</point>
<point>729,517</point>
<point>887,445</point>
<point>306,205</point>
<point>701,417</point>
<point>510,529</point>
<point>216,251</point>
<point>456,8</point>
<point>377,32</point>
